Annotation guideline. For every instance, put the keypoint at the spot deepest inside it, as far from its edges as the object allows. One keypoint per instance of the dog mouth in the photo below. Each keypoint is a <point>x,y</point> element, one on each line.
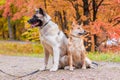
<point>34,24</point>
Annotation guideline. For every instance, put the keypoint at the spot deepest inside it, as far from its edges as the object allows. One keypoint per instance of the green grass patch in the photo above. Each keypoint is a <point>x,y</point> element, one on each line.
<point>104,57</point>
<point>36,50</point>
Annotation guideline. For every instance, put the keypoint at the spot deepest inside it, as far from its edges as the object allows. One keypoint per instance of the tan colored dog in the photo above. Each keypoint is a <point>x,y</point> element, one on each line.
<point>53,40</point>
<point>76,48</point>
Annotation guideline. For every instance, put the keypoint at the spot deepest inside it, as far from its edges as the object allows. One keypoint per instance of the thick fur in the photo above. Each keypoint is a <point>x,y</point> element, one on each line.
<point>52,38</point>
<point>76,49</point>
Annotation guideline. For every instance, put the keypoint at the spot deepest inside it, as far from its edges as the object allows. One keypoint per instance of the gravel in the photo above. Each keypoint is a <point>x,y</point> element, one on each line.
<point>13,67</point>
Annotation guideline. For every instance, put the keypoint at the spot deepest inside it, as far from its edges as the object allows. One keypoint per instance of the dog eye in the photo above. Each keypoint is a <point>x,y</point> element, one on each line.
<point>35,16</point>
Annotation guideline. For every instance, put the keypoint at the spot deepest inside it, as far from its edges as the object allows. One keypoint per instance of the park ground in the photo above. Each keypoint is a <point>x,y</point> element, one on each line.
<point>20,66</point>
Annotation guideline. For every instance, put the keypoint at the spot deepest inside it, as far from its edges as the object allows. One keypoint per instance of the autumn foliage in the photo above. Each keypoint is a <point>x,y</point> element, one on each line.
<point>100,17</point>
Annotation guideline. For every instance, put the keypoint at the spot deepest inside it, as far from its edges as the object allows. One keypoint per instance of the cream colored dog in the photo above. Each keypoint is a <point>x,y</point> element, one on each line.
<point>55,43</point>
<point>52,38</point>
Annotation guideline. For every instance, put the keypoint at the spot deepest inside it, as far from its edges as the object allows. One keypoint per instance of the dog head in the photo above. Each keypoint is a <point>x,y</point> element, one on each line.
<point>39,18</point>
<point>77,30</point>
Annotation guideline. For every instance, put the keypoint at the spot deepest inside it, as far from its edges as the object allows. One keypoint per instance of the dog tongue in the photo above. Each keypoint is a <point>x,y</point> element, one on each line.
<point>32,25</point>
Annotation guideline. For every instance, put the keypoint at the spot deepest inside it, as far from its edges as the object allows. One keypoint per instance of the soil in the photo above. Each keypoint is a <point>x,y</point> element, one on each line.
<point>12,67</point>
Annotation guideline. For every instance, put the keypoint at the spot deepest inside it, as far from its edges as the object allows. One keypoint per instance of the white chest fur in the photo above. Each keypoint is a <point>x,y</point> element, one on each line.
<point>51,34</point>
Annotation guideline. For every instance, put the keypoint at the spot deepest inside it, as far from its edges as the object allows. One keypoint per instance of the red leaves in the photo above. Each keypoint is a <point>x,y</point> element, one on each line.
<point>98,27</point>
<point>16,9</point>
<point>117,1</point>
<point>7,8</point>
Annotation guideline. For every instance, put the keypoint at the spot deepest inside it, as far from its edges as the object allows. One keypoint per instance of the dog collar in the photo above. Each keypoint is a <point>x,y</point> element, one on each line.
<point>45,24</point>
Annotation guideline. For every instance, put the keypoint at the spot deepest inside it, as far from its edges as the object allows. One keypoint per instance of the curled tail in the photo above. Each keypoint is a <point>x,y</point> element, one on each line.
<point>95,63</point>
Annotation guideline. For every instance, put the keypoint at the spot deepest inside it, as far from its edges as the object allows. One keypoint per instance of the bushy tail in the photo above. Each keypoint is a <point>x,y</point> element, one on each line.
<point>93,65</point>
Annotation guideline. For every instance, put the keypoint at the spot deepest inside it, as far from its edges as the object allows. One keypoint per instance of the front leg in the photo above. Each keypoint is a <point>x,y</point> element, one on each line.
<point>45,60</point>
<point>56,57</point>
<point>70,61</point>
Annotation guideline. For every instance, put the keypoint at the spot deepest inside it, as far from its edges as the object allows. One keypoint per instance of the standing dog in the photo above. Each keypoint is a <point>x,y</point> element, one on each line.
<point>52,38</point>
<point>76,48</point>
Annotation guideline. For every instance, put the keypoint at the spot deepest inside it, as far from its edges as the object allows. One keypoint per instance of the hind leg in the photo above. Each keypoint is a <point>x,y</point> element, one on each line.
<point>83,61</point>
<point>63,61</point>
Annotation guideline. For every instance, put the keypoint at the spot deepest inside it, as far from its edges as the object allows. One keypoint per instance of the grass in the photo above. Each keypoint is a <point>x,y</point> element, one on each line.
<point>21,48</point>
<point>41,55</point>
<point>36,50</point>
<point>104,56</point>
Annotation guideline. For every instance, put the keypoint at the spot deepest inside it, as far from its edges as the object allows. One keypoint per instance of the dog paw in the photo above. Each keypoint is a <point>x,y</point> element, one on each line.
<point>43,69</point>
<point>66,68</point>
<point>69,68</point>
<point>84,67</point>
<point>54,68</point>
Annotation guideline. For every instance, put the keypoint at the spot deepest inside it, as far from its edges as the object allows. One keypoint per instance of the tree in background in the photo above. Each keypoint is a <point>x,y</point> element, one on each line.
<point>10,10</point>
<point>98,16</point>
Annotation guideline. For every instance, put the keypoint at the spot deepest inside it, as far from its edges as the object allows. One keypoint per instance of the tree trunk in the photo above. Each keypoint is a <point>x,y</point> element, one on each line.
<point>14,31</point>
<point>77,12</point>
<point>45,4</point>
<point>86,11</point>
<point>10,29</point>
<point>93,43</point>
<point>59,19</point>
<point>94,5</point>
<point>65,21</point>
<point>76,7</point>
<point>95,8</point>
<point>3,34</point>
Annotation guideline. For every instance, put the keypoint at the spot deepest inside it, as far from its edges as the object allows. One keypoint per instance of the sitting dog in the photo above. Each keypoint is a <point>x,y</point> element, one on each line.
<point>76,49</point>
<point>52,38</point>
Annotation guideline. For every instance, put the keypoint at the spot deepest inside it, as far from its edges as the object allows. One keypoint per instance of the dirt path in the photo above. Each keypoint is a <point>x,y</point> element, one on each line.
<point>20,66</point>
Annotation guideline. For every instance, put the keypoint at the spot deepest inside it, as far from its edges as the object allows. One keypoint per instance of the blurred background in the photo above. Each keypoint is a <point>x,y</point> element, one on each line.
<point>101,19</point>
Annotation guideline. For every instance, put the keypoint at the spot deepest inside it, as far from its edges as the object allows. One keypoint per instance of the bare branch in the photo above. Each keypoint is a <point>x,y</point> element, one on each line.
<point>99,4</point>
<point>118,22</point>
<point>71,2</point>
<point>80,5</point>
<point>89,3</point>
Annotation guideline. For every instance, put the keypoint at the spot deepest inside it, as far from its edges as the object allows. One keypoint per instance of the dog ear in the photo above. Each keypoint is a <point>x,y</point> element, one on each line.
<point>41,11</point>
<point>36,9</point>
<point>81,25</point>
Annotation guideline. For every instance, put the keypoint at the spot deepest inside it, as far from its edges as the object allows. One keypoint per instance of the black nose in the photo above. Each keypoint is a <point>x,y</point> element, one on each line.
<point>84,33</point>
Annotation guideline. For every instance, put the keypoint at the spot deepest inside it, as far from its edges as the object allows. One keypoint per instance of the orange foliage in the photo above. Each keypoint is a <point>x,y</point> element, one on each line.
<point>108,15</point>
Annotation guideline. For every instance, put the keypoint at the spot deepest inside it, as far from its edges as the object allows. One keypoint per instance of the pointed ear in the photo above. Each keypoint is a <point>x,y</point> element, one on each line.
<point>36,9</point>
<point>41,11</point>
<point>81,25</point>
<point>73,23</point>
